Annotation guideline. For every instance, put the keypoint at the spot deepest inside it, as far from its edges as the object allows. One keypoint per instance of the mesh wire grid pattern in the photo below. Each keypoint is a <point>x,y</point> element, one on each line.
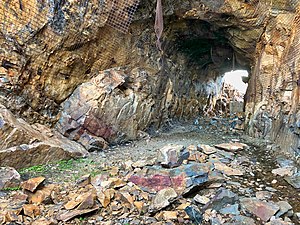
<point>22,19</point>
<point>121,13</point>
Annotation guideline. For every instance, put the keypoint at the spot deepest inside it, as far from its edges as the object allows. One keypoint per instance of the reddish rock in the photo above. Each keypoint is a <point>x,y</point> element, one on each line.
<point>182,179</point>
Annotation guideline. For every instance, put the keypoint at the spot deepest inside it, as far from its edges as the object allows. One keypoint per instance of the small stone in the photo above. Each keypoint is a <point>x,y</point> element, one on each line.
<point>294,181</point>
<point>104,197</point>
<point>215,185</point>
<point>232,147</point>
<point>207,149</point>
<point>71,204</point>
<point>44,221</point>
<point>84,180</point>
<point>139,205</point>
<point>242,220</point>
<point>274,181</point>
<point>285,171</point>
<point>228,170</point>
<point>284,207</point>
<point>194,214</point>
<point>271,189</point>
<point>221,199</point>
<point>87,202</point>
<point>263,210</point>
<point>9,178</point>
<point>20,197</point>
<point>169,215</point>
<point>66,215</point>
<point>43,195</point>
<point>162,199</point>
<point>263,195</point>
<point>279,222</point>
<point>171,156</point>
<point>201,199</point>
<point>32,183</point>
<point>230,209</point>
<point>31,210</point>
<point>183,206</point>
<point>126,197</point>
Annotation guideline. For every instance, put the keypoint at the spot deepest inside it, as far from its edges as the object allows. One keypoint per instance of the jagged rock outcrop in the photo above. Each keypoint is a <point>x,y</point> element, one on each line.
<point>46,58</point>
<point>24,145</point>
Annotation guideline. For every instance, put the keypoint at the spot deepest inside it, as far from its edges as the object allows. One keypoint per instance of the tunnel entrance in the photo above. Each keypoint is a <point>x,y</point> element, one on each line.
<point>235,84</point>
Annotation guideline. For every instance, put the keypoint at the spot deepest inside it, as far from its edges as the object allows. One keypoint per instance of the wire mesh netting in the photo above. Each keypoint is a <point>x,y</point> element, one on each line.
<point>121,14</point>
<point>20,20</point>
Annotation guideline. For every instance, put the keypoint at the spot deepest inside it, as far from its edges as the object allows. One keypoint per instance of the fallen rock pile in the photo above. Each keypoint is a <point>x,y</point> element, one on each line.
<point>183,185</point>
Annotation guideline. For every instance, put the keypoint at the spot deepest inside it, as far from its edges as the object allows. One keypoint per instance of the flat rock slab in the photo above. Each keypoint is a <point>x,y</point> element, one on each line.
<point>263,210</point>
<point>222,198</point>
<point>241,220</point>
<point>230,210</point>
<point>231,147</point>
<point>182,179</point>
<point>285,171</point>
<point>207,149</point>
<point>67,215</point>
<point>263,195</point>
<point>279,222</point>
<point>229,171</point>
<point>284,207</point>
<point>23,145</point>
<point>294,181</point>
<point>9,178</point>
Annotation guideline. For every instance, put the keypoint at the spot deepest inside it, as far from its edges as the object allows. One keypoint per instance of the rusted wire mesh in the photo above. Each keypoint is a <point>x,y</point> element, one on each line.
<point>121,13</point>
<point>20,20</point>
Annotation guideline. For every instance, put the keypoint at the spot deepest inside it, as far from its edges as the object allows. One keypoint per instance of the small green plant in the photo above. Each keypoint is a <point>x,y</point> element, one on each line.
<point>37,169</point>
<point>12,188</point>
<point>65,164</point>
<point>94,173</point>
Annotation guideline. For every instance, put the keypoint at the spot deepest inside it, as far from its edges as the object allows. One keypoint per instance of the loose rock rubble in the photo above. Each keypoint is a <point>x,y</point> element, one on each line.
<point>195,184</point>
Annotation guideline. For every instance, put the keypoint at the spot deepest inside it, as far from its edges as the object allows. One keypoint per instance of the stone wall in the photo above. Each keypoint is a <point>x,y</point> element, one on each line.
<point>273,96</point>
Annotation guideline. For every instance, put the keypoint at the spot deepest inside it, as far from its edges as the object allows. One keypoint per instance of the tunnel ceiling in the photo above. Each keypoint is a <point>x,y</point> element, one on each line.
<point>203,46</point>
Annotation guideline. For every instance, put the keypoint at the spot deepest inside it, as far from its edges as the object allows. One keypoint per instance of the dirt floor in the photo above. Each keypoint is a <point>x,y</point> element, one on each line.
<point>257,161</point>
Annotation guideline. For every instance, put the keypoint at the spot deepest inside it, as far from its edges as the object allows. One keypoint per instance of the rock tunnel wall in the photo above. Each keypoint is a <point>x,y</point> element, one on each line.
<point>68,67</point>
<point>273,97</point>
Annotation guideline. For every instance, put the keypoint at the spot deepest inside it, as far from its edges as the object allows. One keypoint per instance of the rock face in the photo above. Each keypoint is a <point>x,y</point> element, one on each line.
<point>37,142</point>
<point>10,178</point>
<point>44,60</point>
<point>109,106</point>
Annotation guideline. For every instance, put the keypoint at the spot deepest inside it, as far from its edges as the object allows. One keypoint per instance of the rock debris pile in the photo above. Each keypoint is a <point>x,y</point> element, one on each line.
<point>197,184</point>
